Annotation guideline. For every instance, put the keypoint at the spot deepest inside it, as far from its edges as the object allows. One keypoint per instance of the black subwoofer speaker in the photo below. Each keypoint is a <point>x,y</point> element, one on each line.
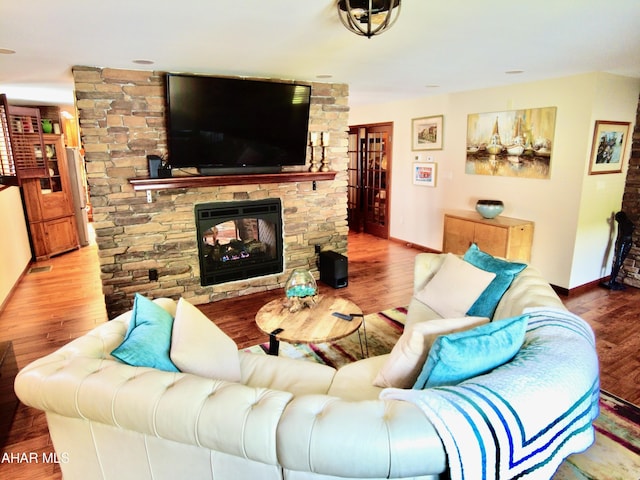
<point>333,269</point>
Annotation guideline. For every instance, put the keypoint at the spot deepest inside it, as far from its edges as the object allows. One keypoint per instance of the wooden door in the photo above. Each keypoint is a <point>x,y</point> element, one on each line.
<point>369,178</point>
<point>354,171</point>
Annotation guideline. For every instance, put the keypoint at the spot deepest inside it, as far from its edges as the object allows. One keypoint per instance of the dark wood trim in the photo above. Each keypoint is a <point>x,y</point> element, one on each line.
<point>15,285</point>
<point>579,290</point>
<point>413,245</point>
<point>195,181</point>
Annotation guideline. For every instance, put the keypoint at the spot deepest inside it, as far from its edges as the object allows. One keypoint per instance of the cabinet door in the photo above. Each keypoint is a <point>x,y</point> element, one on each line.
<point>491,239</point>
<point>61,235</point>
<point>520,240</point>
<point>458,235</point>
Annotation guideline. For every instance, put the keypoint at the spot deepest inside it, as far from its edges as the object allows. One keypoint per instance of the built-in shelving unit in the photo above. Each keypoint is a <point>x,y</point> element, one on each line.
<point>195,181</point>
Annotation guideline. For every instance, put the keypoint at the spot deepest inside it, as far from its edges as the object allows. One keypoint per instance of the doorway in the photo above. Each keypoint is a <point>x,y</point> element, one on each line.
<point>370,178</point>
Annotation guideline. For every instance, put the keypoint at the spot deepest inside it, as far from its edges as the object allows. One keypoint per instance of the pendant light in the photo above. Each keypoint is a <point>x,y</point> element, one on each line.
<point>368,17</point>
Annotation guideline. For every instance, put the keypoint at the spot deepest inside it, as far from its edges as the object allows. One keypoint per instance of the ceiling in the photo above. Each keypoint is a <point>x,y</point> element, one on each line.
<point>436,46</point>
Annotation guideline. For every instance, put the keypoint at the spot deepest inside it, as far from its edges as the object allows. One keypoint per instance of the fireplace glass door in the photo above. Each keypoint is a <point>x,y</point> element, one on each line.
<point>239,240</point>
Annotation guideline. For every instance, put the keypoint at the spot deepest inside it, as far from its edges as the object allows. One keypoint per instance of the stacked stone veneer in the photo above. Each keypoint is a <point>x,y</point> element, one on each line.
<point>122,121</point>
<point>630,271</point>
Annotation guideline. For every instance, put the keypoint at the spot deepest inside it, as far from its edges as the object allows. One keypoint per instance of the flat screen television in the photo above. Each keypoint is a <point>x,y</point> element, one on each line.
<point>233,126</point>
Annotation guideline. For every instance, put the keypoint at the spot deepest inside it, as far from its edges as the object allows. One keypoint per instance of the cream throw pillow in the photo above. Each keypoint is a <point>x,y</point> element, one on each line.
<point>407,358</point>
<point>198,346</point>
<point>455,287</point>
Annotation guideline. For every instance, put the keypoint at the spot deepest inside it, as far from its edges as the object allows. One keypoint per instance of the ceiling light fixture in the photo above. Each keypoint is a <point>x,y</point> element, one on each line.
<point>368,17</point>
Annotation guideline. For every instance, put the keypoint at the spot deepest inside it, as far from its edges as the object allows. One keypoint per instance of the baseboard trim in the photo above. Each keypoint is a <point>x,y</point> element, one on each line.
<point>567,292</point>
<point>15,286</point>
<point>415,246</point>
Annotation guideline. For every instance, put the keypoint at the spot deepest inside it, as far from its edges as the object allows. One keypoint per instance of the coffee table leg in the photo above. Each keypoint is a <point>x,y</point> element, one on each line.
<point>274,345</point>
<point>364,328</point>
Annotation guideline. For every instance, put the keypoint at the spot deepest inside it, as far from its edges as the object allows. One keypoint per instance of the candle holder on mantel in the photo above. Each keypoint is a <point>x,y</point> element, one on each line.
<point>314,163</point>
<point>324,141</point>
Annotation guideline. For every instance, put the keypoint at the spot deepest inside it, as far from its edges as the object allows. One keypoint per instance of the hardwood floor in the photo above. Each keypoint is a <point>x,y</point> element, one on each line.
<point>47,309</point>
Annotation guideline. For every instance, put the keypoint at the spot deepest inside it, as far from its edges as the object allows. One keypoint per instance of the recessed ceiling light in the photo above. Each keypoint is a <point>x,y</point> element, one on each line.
<point>324,75</point>
<point>144,62</point>
<point>514,72</point>
<point>432,85</point>
<point>7,51</point>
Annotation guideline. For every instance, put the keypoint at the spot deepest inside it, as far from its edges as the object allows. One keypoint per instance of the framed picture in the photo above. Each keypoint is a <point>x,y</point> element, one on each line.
<point>425,174</point>
<point>608,147</point>
<point>426,133</point>
<point>511,143</point>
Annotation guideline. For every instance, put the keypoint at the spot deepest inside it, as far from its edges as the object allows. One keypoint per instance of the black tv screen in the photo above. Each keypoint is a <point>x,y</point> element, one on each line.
<point>226,125</point>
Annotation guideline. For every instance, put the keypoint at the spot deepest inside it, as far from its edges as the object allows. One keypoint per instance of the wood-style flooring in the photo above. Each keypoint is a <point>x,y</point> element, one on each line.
<point>48,309</point>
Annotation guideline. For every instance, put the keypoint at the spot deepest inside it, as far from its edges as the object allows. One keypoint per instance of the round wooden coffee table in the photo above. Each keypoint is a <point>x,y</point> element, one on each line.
<point>309,325</point>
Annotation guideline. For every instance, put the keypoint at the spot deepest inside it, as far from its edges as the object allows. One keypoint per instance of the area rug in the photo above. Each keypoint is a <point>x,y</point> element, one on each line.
<point>615,455</point>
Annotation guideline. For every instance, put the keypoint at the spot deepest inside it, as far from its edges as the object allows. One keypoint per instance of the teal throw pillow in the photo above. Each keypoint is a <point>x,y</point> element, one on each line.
<point>466,354</point>
<point>148,339</point>
<point>485,305</point>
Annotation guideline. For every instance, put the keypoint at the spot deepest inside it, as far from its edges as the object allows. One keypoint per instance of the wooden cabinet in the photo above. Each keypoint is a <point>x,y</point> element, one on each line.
<point>49,205</point>
<point>505,237</point>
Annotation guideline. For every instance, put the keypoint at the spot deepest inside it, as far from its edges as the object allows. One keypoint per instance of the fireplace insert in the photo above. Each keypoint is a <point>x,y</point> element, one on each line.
<point>239,240</point>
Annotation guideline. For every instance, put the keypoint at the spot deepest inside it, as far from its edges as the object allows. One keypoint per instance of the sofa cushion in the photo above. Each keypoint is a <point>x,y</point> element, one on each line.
<point>286,374</point>
<point>463,355</point>
<point>505,271</point>
<point>199,346</point>
<point>148,337</point>
<point>455,287</point>
<point>410,352</point>
<point>354,381</point>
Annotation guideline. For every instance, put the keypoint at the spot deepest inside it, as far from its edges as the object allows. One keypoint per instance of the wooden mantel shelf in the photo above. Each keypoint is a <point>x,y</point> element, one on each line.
<point>195,181</point>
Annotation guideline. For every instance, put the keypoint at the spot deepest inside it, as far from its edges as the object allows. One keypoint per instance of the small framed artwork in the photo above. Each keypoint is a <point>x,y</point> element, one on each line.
<point>426,133</point>
<point>608,147</point>
<point>425,174</point>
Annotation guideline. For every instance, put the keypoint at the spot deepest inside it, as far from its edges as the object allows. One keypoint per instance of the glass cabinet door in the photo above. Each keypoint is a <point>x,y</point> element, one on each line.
<point>51,183</point>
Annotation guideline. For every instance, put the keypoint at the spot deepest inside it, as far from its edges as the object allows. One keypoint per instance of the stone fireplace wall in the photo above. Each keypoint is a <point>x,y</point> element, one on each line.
<point>122,121</point>
<point>630,271</point>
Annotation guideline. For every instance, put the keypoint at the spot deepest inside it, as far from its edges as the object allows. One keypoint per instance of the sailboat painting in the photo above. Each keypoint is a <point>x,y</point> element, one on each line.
<point>514,143</point>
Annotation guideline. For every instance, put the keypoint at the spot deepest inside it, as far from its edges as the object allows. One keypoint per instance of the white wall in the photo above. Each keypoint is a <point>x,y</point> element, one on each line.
<point>570,210</point>
<point>15,253</point>
<point>602,194</point>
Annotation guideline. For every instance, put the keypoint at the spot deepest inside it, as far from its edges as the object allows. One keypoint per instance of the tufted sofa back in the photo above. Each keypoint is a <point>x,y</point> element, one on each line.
<point>112,420</point>
<point>529,289</point>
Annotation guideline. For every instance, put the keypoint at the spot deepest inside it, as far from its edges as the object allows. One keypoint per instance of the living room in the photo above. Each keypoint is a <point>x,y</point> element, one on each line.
<point>573,211</point>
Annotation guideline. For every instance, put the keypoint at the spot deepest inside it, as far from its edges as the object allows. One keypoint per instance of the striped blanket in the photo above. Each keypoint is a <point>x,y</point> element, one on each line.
<point>522,419</point>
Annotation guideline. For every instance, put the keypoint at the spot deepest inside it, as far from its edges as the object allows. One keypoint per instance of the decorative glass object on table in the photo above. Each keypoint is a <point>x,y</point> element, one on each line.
<point>300,290</point>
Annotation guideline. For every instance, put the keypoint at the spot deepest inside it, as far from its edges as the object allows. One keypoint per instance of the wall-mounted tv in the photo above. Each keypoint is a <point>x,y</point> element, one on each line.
<point>229,126</point>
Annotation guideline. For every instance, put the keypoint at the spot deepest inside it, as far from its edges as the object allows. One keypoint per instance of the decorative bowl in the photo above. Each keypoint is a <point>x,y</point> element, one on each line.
<point>489,208</point>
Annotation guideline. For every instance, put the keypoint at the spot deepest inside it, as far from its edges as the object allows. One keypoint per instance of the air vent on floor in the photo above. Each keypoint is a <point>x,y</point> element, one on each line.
<point>46,268</point>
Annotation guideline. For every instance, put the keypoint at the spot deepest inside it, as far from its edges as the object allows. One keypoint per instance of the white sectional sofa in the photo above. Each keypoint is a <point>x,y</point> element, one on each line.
<point>282,419</point>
